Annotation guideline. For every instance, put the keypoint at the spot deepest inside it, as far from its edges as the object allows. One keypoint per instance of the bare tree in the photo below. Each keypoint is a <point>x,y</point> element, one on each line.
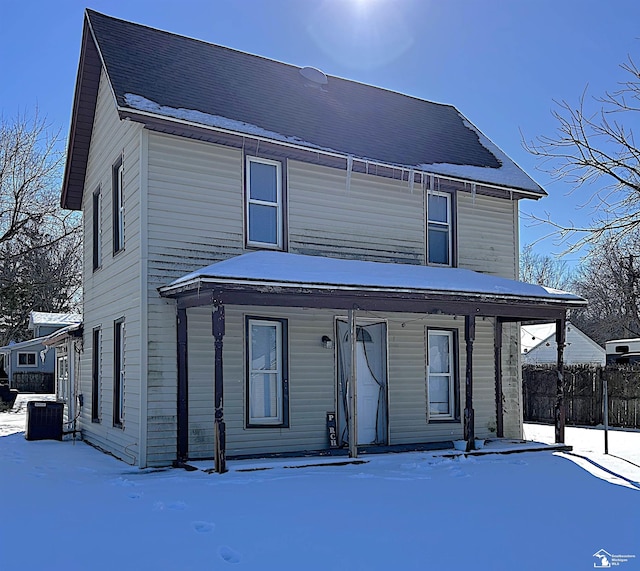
<point>30,169</point>
<point>594,150</point>
<point>610,281</point>
<point>39,242</point>
<point>544,270</point>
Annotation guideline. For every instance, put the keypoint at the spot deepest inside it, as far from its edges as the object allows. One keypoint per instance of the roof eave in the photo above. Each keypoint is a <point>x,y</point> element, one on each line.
<point>81,129</point>
<point>154,120</point>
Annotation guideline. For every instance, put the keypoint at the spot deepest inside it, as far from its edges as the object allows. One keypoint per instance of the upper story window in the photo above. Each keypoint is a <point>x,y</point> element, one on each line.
<point>117,179</point>
<point>439,229</point>
<point>264,203</point>
<point>97,230</point>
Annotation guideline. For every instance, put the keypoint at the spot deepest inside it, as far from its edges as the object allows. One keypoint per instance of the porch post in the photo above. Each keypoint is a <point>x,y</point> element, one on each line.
<point>497,347</point>
<point>560,410</point>
<point>183,388</point>
<point>219,426</point>
<point>469,336</point>
<point>353,388</point>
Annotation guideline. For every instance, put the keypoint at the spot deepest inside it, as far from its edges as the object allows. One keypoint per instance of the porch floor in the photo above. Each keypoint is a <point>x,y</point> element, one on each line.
<point>333,457</point>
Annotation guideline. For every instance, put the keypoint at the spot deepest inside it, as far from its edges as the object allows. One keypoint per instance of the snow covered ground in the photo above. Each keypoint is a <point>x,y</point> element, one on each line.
<point>66,506</point>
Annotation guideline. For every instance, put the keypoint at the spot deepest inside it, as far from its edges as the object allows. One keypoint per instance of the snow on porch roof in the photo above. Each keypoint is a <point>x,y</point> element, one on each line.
<point>285,269</point>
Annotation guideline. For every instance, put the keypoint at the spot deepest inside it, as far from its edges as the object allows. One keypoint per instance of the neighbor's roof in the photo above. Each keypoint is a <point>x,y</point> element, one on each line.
<point>44,318</point>
<point>532,335</point>
<point>156,74</point>
<point>315,272</point>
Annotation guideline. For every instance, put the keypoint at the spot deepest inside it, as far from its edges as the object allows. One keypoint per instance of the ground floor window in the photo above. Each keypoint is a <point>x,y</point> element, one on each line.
<point>27,359</point>
<point>95,375</point>
<point>118,372</point>
<point>267,392</point>
<point>442,385</point>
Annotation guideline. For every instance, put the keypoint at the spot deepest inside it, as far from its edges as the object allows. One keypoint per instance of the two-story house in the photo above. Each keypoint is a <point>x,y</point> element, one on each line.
<point>276,259</point>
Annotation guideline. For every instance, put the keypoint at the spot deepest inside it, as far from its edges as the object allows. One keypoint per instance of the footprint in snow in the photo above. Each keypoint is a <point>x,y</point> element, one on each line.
<point>135,495</point>
<point>203,526</point>
<point>229,555</point>
<point>175,506</point>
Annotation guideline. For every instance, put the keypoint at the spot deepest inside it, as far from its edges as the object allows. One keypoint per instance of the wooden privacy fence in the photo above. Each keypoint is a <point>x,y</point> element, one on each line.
<point>583,394</point>
<point>41,383</point>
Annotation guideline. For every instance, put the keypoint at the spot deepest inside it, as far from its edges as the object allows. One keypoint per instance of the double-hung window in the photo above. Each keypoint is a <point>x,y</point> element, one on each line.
<point>441,382</point>
<point>439,229</point>
<point>97,230</point>
<point>264,203</point>
<point>267,383</point>
<point>118,372</point>
<point>95,374</point>
<point>117,175</point>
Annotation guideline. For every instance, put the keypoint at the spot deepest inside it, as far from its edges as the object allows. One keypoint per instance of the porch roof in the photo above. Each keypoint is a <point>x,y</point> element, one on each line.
<point>295,280</point>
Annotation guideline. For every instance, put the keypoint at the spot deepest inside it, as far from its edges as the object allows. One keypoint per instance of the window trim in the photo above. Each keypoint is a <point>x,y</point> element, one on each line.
<point>96,377</point>
<point>118,372</point>
<point>280,203</point>
<point>28,353</point>
<point>454,384</point>
<point>117,199</point>
<point>452,225</point>
<point>97,229</point>
<point>283,387</point>
<point>62,384</point>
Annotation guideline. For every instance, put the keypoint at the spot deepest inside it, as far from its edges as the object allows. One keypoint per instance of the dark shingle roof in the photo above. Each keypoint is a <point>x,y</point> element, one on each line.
<point>345,116</point>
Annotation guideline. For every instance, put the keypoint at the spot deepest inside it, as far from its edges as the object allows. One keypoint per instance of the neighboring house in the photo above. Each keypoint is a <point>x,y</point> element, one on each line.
<point>29,365</point>
<point>276,236</point>
<point>67,346</point>
<point>539,347</point>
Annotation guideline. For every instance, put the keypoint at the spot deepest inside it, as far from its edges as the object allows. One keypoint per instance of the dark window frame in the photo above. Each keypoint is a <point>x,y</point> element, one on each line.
<point>117,186</point>
<point>96,358</point>
<point>118,372</point>
<point>284,346</point>
<point>456,376</point>
<point>283,229</point>
<point>97,229</point>
<point>453,227</point>
<point>27,354</point>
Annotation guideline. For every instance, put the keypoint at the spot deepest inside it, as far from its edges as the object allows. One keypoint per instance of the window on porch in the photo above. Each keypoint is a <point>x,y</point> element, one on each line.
<point>442,384</point>
<point>267,384</point>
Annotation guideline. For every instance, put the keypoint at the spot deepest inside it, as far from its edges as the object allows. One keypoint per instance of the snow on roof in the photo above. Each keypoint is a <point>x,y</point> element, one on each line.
<point>44,318</point>
<point>316,271</point>
<point>509,174</point>
<point>532,335</point>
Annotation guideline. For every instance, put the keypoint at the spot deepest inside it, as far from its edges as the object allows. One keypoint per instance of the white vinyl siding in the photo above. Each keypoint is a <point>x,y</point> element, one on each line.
<point>114,291</point>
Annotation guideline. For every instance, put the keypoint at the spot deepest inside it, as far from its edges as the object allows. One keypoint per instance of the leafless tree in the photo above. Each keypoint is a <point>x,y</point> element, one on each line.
<point>39,242</point>
<point>610,281</point>
<point>544,270</point>
<point>595,151</point>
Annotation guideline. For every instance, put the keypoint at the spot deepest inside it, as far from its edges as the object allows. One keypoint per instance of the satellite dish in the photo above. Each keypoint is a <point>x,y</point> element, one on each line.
<point>314,76</point>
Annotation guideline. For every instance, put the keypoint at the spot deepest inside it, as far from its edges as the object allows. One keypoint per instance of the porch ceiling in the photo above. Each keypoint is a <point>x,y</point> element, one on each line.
<point>294,280</point>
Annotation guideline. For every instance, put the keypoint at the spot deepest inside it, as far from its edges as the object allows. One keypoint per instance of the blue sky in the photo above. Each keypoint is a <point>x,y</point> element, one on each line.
<point>500,62</point>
